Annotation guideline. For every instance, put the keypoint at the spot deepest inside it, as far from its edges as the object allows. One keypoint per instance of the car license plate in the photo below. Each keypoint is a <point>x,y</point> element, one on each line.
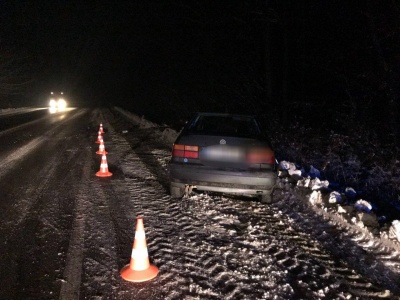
<point>223,153</point>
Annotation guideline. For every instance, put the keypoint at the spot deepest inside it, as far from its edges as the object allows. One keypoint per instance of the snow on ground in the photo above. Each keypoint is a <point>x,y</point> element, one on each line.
<point>239,249</point>
<point>206,246</point>
<point>359,212</point>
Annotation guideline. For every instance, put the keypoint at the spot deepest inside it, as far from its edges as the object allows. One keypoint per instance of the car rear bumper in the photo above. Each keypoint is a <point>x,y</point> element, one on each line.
<point>223,180</point>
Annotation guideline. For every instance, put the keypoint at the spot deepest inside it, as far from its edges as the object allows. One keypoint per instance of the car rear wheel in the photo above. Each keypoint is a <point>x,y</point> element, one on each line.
<point>176,192</point>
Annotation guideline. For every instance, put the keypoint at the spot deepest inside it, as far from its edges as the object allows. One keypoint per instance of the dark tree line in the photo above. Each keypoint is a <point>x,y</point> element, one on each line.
<point>343,64</point>
<point>332,65</point>
<point>327,64</point>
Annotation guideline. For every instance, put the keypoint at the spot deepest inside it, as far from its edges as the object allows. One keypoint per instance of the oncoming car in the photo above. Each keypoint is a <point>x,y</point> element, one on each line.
<point>223,153</point>
<point>57,102</point>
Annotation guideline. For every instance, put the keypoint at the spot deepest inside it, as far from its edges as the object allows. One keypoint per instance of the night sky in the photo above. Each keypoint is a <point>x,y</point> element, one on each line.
<point>167,59</point>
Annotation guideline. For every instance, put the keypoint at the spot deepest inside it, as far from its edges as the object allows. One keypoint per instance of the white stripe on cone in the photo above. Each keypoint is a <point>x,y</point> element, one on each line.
<point>139,253</point>
<point>140,235</point>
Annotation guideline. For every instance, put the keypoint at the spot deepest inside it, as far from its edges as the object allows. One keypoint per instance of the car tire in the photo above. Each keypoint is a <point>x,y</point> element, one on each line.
<point>175,192</point>
<point>266,198</point>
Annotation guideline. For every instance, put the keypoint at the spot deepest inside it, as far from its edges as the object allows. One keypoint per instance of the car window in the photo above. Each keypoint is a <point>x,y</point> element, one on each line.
<point>241,126</point>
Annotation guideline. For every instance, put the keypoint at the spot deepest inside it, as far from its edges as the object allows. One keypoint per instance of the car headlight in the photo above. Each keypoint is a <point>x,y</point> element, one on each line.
<point>52,103</point>
<point>61,104</point>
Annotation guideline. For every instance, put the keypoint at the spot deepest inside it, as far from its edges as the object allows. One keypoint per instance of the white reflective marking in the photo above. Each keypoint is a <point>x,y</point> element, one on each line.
<point>139,253</point>
<point>140,235</point>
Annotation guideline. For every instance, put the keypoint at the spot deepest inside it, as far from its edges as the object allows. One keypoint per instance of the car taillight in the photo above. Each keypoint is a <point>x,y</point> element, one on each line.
<point>260,156</point>
<point>185,151</point>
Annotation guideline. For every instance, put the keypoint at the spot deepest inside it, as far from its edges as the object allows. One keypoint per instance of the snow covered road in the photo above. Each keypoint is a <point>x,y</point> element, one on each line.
<point>67,233</point>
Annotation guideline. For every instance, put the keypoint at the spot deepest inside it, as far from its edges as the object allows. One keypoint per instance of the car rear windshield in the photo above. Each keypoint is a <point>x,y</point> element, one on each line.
<point>240,126</point>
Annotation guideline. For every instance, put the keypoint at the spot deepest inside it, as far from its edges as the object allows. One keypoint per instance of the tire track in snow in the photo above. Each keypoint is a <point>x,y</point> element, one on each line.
<point>340,243</point>
<point>10,161</point>
<point>30,195</point>
<point>72,274</point>
<point>307,271</point>
<point>291,259</point>
<point>12,232</point>
<point>13,158</point>
<point>53,214</point>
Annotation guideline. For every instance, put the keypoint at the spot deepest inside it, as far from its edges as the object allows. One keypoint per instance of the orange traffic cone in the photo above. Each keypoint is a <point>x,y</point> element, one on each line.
<point>101,128</point>
<point>103,172</point>
<point>139,268</point>
<point>102,149</point>
<point>99,137</point>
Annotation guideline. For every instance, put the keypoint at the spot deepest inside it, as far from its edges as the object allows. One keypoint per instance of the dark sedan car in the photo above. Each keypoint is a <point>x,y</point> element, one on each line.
<point>223,153</point>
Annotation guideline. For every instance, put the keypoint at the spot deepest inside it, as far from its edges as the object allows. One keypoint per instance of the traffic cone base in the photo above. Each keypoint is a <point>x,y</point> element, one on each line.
<point>103,174</point>
<point>138,276</point>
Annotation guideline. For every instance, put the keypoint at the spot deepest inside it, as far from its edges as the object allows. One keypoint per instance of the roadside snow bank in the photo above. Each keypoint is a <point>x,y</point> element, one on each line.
<point>394,230</point>
<point>358,212</point>
<point>143,123</point>
<point>169,135</point>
